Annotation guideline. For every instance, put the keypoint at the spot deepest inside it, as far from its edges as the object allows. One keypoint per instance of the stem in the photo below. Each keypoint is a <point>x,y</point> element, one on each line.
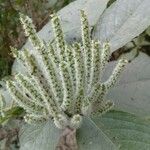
<point>67,140</point>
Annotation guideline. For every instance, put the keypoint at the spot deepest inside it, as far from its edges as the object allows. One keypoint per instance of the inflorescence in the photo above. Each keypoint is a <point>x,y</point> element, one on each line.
<point>63,80</point>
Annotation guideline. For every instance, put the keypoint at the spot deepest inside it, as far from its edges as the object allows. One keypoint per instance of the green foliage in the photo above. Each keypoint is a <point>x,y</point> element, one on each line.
<point>42,136</point>
<point>45,137</point>
<point>4,67</point>
<point>125,130</point>
<point>10,114</point>
<point>115,130</point>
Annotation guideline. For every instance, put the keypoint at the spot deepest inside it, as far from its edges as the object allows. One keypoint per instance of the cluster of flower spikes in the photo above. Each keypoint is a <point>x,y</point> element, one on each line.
<point>63,80</point>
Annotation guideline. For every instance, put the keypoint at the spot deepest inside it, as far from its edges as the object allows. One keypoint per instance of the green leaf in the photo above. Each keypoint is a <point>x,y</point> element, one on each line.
<point>43,136</point>
<point>126,130</point>
<point>121,22</point>
<point>90,136</point>
<point>114,130</point>
<point>11,113</point>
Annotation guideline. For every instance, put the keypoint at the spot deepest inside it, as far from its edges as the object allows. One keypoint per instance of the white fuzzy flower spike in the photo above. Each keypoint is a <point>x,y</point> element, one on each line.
<point>76,121</point>
<point>105,55</point>
<point>29,88</point>
<point>95,64</point>
<point>102,107</point>
<point>63,81</point>
<point>67,87</point>
<point>2,106</point>
<point>86,41</point>
<point>59,36</point>
<point>79,70</point>
<point>22,99</point>
<point>116,73</point>
<point>41,50</point>
<point>34,119</point>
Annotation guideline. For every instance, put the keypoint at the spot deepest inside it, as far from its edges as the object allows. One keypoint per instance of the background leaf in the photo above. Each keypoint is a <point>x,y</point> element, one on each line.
<point>122,21</point>
<point>43,136</point>
<point>90,136</point>
<point>132,93</point>
<point>114,130</point>
<point>126,130</point>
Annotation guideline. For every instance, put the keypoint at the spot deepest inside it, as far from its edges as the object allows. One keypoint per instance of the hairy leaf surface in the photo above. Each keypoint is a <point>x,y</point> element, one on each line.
<point>39,137</point>
<point>90,136</point>
<point>132,93</point>
<point>122,21</point>
<point>126,130</point>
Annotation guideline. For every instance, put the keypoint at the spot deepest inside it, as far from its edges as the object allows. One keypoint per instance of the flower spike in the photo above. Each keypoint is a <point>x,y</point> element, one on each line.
<point>86,41</point>
<point>116,73</point>
<point>63,81</point>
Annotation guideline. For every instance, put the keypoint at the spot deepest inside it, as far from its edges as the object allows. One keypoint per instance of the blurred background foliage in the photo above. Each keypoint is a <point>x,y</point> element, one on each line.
<point>11,33</point>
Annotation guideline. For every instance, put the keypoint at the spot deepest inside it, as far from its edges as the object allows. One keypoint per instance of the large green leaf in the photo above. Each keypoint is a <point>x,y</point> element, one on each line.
<point>126,130</point>
<point>122,21</point>
<point>39,137</point>
<point>45,137</point>
<point>11,113</point>
<point>114,130</point>
<point>91,137</point>
<point>132,93</point>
